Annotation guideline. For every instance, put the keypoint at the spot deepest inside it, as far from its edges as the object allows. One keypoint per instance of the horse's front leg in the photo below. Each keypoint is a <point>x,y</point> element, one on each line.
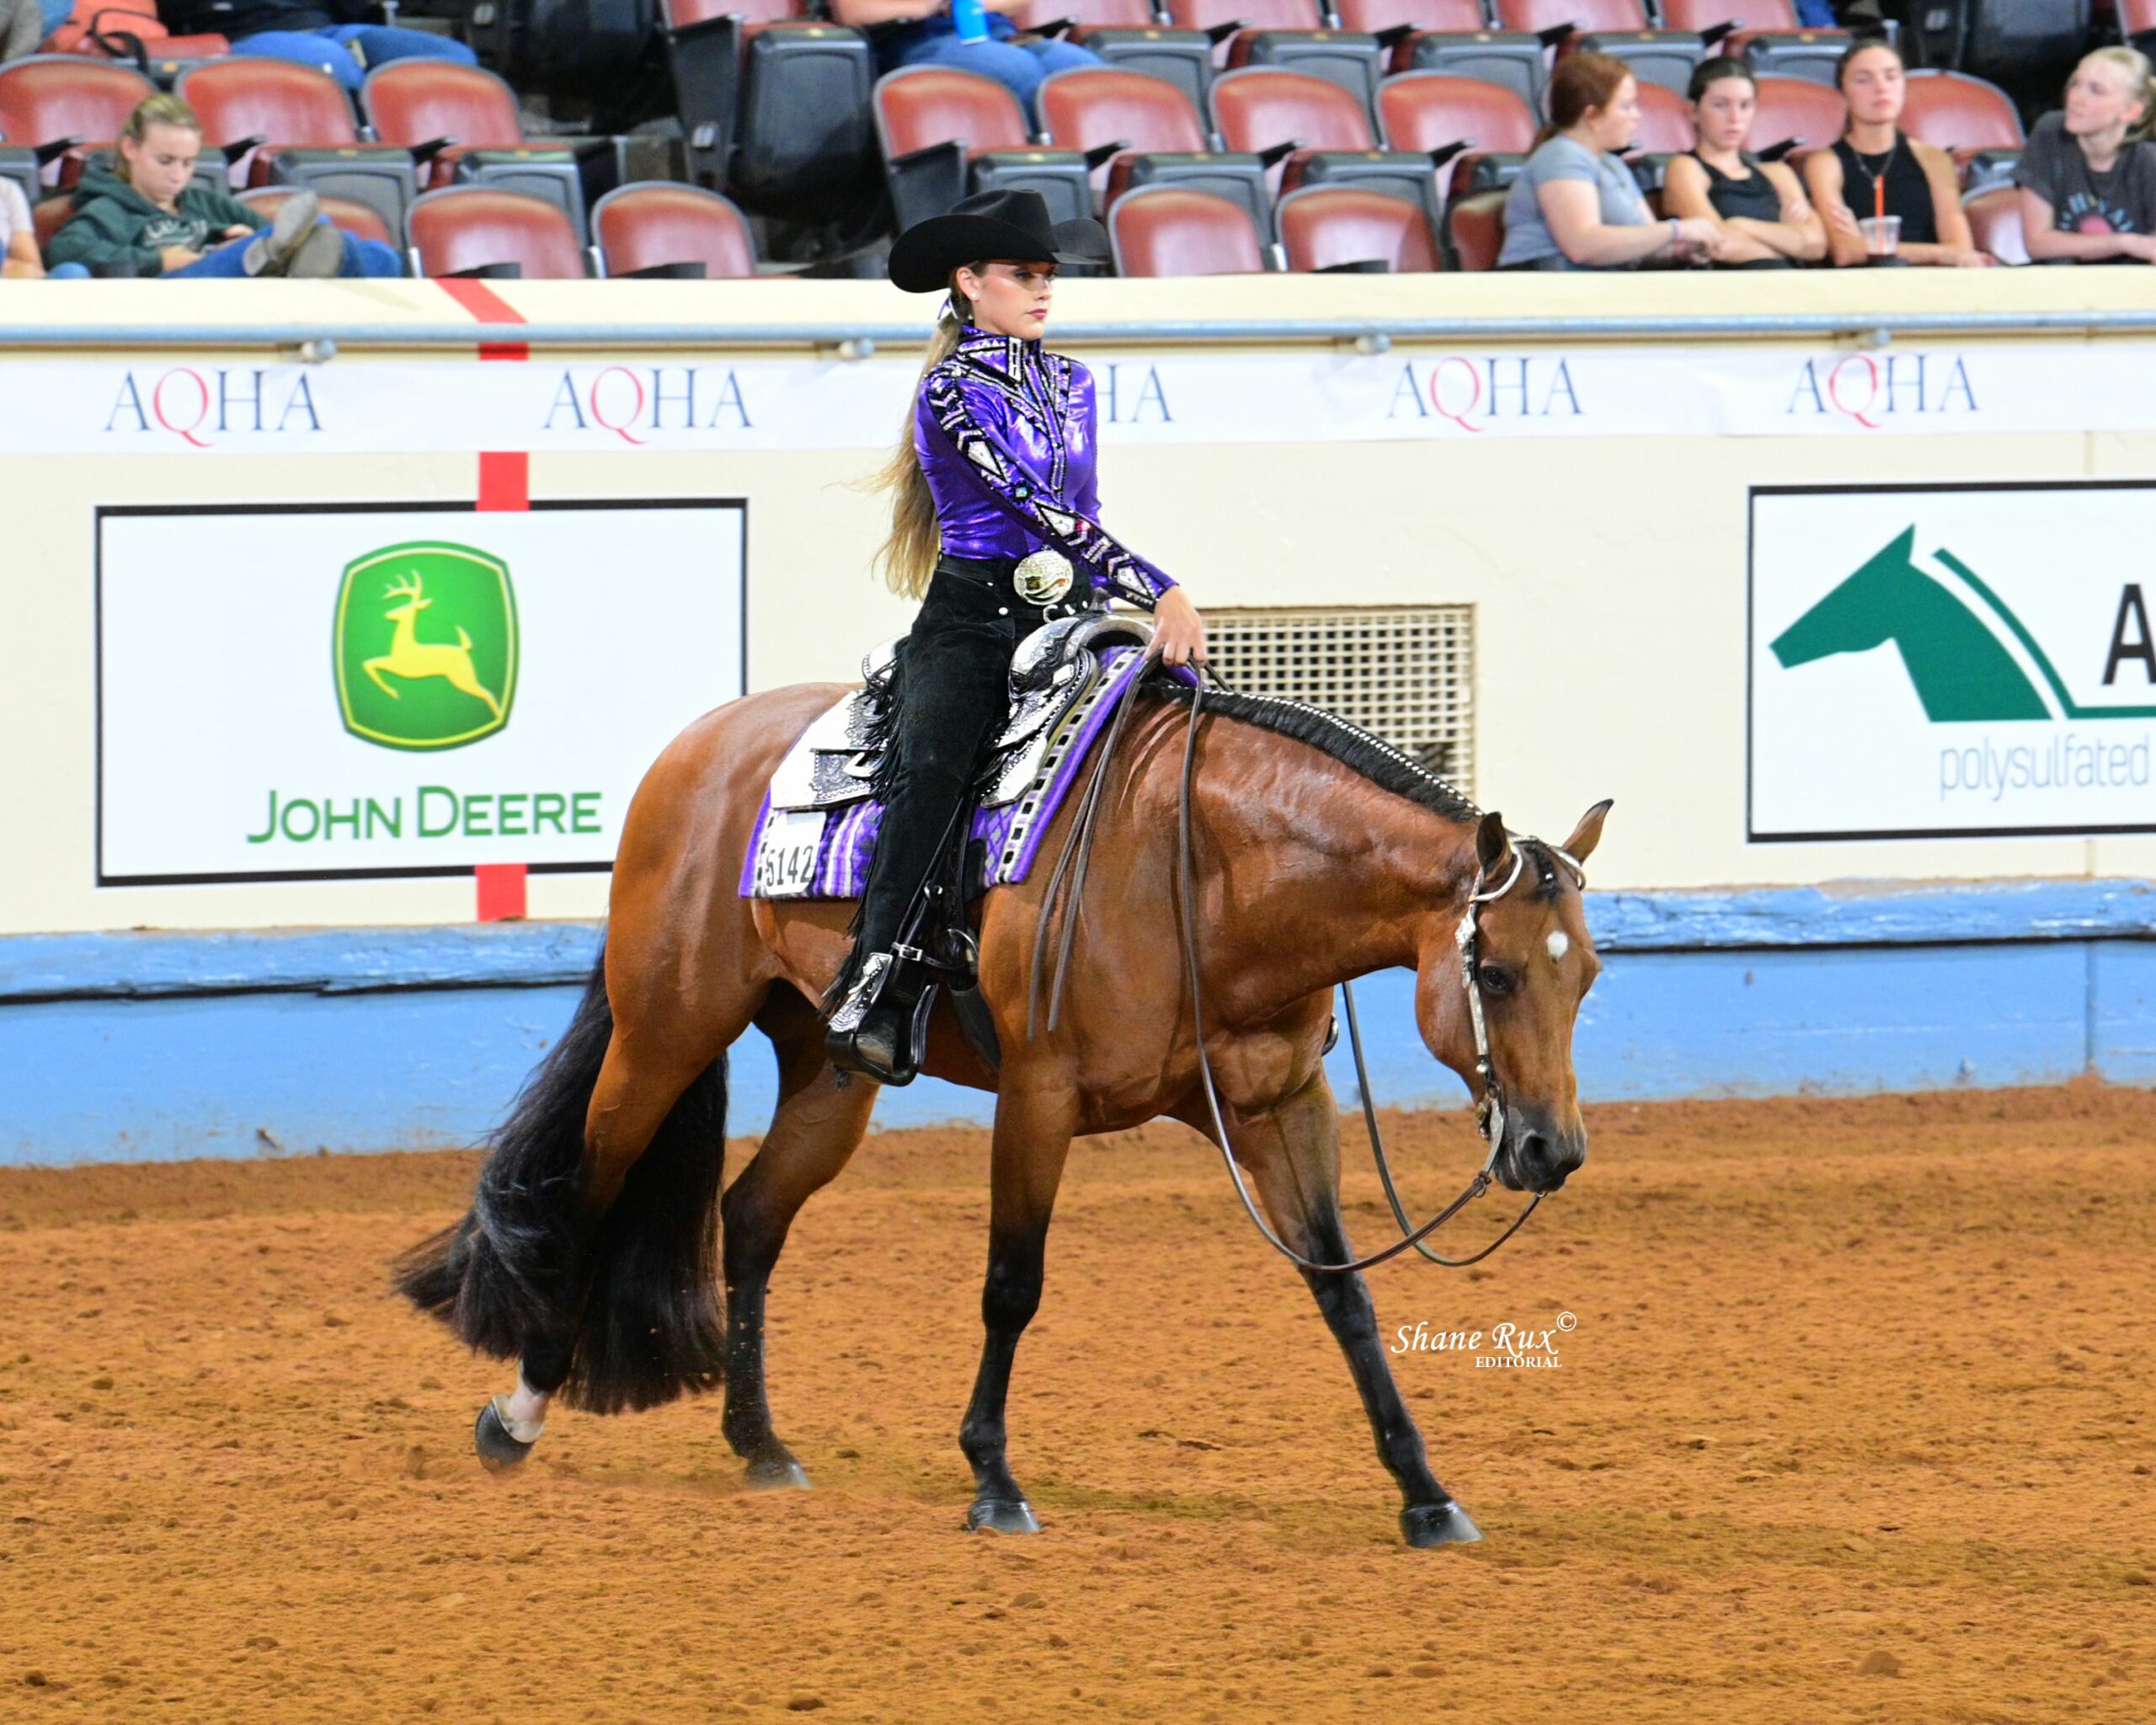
<point>1292,1153</point>
<point>1032,1136</point>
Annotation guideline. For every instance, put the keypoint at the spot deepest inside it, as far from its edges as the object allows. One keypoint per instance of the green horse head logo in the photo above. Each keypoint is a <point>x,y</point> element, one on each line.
<point>426,646</point>
<point>1960,669</point>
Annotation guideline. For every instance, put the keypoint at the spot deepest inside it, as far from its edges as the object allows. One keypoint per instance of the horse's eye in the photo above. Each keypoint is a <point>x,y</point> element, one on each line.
<point>1495,979</point>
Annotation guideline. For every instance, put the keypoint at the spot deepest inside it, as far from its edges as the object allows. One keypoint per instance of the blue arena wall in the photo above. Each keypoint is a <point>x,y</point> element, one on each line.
<point>155,1046</point>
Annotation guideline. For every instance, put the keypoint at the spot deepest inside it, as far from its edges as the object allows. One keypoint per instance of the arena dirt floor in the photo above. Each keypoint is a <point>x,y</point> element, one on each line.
<point>1855,1422</point>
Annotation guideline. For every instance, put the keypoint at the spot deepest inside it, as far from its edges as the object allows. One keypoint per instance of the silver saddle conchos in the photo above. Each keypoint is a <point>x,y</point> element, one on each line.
<point>1053,670</point>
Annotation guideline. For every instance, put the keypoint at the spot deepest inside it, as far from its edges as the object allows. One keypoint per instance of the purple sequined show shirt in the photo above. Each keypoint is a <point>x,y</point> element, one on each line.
<point>1008,436</point>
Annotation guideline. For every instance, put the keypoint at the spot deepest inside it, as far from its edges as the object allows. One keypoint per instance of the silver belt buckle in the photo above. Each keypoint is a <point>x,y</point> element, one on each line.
<point>1042,577</point>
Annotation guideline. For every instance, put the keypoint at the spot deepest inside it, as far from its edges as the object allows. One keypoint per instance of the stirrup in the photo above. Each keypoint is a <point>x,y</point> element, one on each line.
<point>879,1028</point>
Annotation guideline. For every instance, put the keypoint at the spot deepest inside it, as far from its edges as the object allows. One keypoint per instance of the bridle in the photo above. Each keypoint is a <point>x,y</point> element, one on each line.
<point>1490,1105</point>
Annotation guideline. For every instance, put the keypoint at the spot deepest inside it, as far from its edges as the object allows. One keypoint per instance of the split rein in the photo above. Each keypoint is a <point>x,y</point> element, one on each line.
<point>1490,1106</point>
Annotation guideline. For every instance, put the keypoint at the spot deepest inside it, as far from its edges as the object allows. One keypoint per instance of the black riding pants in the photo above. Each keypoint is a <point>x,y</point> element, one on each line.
<point>951,693</point>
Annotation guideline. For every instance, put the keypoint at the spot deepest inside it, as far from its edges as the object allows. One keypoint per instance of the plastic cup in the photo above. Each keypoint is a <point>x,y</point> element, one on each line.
<point>1882,235</point>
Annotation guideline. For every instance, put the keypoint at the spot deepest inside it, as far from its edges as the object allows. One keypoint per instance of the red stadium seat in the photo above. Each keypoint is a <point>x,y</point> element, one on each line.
<point>1797,108</point>
<point>1770,37</point>
<point>1995,219</point>
<point>1131,37</point>
<point>1974,120</point>
<point>465,229</point>
<point>658,226</point>
<point>1247,15</point>
<point>51,97</point>
<point>1477,228</point>
<point>116,20</point>
<point>1376,15</point>
<point>359,219</point>
<point>1170,231</point>
<point>1088,109</point>
<point>946,132</point>
<point>305,130</point>
<point>415,102</point>
<point>1330,227</point>
<point>1259,108</point>
<point>1429,110</point>
<point>1614,27</point>
<point>461,122</point>
<point>1087,15</point>
<point>1665,122</point>
<point>2137,19</point>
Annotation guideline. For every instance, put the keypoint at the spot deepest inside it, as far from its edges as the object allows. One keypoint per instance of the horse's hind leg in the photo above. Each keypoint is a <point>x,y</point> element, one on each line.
<point>815,1129</point>
<point>1033,1137</point>
<point>1292,1154</point>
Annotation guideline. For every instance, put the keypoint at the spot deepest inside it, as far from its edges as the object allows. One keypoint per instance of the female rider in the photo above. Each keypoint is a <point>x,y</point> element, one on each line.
<point>993,501</point>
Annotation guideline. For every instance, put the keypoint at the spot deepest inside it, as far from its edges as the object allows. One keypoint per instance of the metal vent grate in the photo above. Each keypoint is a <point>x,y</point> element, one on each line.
<point>1406,672</point>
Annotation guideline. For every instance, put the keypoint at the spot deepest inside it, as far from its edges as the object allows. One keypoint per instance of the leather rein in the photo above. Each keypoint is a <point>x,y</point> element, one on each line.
<point>1490,1105</point>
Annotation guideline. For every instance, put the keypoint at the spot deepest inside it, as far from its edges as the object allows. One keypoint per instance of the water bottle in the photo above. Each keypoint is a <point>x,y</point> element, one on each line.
<point>970,18</point>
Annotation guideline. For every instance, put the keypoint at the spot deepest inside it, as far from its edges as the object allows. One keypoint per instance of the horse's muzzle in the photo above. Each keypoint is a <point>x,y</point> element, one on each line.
<point>1540,1156</point>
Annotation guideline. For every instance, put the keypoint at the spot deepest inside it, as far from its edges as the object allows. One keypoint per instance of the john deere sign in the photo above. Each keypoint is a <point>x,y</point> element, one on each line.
<point>425,645</point>
<point>1952,661</point>
<point>495,687</point>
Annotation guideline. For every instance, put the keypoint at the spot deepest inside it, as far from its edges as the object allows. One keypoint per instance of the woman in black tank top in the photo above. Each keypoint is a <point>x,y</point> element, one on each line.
<point>1766,221</point>
<point>1877,169</point>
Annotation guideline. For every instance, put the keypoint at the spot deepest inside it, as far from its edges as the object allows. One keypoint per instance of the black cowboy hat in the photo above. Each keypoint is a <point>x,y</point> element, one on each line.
<point>988,225</point>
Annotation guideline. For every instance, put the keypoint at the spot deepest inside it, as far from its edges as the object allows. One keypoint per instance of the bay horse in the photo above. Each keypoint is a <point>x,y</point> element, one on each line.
<point>1319,854</point>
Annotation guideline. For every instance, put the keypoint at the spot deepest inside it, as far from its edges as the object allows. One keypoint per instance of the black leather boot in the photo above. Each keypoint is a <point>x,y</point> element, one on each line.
<point>879,1028</point>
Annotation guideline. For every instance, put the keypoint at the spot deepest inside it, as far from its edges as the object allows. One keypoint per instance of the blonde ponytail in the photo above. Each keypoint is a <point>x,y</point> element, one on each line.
<point>2135,65</point>
<point>908,558</point>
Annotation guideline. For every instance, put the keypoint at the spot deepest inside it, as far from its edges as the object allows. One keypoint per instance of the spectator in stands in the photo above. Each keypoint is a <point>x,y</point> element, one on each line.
<point>910,32</point>
<point>19,258</point>
<point>147,216</point>
<point>1575,205</point>
<point>1875,169</point>
<point>328,34</point>
<point>1766,220</point>
<point>2087,178</point>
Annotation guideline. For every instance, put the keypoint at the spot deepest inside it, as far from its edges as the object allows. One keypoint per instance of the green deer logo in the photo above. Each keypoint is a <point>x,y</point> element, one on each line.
<point>426,645</point>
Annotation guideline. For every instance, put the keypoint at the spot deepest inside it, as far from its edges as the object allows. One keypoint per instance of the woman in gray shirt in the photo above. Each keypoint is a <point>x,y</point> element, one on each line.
<point>1575,205</point>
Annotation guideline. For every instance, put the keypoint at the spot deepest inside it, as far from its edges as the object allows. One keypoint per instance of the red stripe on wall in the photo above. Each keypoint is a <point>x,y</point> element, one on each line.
<point>504,483</point>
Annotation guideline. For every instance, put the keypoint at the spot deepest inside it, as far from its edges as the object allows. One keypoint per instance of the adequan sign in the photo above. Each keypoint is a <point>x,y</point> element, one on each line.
<point>1951,661</point>
<point>321,692</point>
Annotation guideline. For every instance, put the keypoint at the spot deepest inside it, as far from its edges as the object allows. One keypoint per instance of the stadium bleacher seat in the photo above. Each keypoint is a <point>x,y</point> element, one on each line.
<point>659,228</point>
<point>945,133</point>
<point>1452,36</point>
<point>1995,219</point>
<point>462,126</point>
<point>773,104</point>
<point>279,123</point>
<point>359,220</point>
<point>1796,107</point>
<point>1345,227</point>
<point>130,29</point>
<point>1289,33</point>
<point>1163,140</point>
<point>1170,230</point>
<point>473,230</point>
<point>1311,132</point>
<point>1614,26</point>
<point>1764,33</point>
<point>1665,131</point>
<point>1432,111</point>
<point>64,108</point>
<point>2136,23</point>
<point>1131,36</point>
<point>1475,230</point>
<point>1975,121</point>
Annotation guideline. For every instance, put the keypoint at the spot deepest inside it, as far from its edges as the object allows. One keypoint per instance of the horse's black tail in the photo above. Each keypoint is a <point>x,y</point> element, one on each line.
<point>626,1311</point>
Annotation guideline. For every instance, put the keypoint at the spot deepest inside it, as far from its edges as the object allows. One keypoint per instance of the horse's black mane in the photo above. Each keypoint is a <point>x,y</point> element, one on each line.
<point>1385,766</point>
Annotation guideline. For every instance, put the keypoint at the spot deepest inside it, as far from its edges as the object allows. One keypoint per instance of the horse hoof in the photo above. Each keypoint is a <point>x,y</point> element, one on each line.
<point>1446,1524</point>
<point>1001,1515</point>
<point>777,1476</point>
<point>499,1451</point>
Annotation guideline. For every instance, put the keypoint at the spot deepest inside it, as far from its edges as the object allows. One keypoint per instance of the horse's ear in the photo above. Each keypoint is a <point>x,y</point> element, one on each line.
<point>1588,833</point>
<point>1492,847</point>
